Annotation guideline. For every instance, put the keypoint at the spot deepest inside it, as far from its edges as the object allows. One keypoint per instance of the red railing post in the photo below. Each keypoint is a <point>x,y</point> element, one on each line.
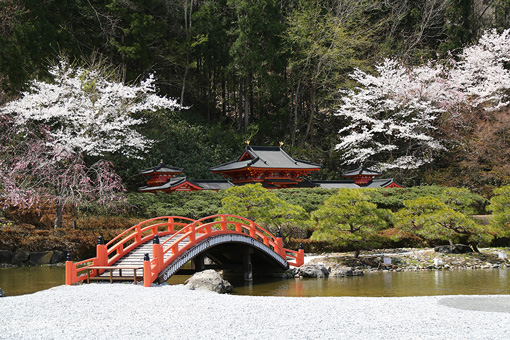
<point>147,279</point>
<point>157,253</point>
<point>70,270</point>
<point>223,222</point>
<point>192,233</point>
<point>171,226</point>
<point>101,253</point>
<point>279,245</point>
<point>300,259</point>
<point>138,235</point>
<point>252,229</point>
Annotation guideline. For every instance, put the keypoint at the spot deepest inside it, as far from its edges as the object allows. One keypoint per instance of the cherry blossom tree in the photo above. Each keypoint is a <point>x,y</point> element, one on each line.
<point>49,131</point>
<point>482,76</point>
<point>393,117</point>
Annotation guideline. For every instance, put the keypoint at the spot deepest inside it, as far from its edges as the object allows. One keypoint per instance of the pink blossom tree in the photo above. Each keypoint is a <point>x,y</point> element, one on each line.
<point>50,129</point>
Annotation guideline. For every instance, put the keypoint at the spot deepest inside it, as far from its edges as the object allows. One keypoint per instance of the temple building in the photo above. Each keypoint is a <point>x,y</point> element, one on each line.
<point>269,165</point>
<point>161,179</point>
<point>361,178</point>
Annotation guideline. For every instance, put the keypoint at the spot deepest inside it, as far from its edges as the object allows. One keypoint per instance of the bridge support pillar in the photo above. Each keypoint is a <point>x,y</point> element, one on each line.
<point>198,263</point>
<point>247,266</point>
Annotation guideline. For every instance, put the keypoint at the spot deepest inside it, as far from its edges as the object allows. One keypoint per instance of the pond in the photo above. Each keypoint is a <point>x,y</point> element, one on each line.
<point>26,280</point>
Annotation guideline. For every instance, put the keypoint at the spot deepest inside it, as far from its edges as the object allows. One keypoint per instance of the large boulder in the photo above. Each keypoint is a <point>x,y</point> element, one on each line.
<point>40,257</point>
<point>5,256</point>
<point>20,256</point>
<point>208,280</point>
<point>453,249</point>
<point>313,270</point>
<point>58,257</point>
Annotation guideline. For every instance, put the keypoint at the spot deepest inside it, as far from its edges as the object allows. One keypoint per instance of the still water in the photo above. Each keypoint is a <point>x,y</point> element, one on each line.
<point>26,280</point>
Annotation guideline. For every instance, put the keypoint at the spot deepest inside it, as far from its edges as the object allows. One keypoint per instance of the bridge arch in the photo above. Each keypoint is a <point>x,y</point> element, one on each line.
<point>184,239</point>
<point>208,245</point>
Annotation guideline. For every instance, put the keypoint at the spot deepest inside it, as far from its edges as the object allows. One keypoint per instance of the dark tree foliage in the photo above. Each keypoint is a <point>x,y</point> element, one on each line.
<point>264,70</point>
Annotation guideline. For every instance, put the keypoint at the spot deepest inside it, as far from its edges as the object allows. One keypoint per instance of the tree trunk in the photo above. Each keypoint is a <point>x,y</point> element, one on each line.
<point>59,209</point>
<point>246,103</point>
<point>474,245</point>
<point>296,107</point>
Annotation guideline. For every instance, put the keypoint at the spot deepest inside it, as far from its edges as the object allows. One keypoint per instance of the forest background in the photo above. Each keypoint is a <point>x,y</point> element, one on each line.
<point>266,71</point>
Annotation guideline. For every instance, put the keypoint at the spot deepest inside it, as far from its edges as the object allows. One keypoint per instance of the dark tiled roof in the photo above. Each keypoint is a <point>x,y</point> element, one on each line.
<point>162,168</point>
<point>212,184</point>
<point>266,157</point>
<point>336,184</point>
<point>380,183</point>
<point>376,183</point>
<point>205,184</point>
<point>362,171</point>
<point>172,182</point>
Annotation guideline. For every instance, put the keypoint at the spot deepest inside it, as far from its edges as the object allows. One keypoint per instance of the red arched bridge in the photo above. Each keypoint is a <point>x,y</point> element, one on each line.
<point>158,248</point>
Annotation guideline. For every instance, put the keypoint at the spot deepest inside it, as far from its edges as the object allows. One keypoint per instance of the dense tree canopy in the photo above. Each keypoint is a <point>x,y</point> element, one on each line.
<point>271,71</point>
<point>264,207</point>
<point>434,220</point>
<point>350,218</point>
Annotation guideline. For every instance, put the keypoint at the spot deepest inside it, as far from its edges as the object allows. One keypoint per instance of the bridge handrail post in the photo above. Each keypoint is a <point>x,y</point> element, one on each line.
<point>192,233</point>
<point>138,233</point>
<point>157,252</point>
<point>223,222</point>
<point>252,229</point>
<point>171,224</point>
<point>120,249</point>
<point>300,259</point>
<point>279,245</point>
<point>71,272</point>
<point>147,279</point>
<point>101,253</point>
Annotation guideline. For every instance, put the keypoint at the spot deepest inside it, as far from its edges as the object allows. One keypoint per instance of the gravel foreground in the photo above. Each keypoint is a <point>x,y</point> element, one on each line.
<point>123,311</point>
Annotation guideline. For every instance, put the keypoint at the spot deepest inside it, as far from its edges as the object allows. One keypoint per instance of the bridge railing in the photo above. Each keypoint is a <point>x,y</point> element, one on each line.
<point>108,254</point>
<point>190,230</point>
<point>194,232</point>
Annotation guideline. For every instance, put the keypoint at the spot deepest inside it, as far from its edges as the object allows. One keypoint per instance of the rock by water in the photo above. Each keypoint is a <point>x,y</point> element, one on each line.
<point>345,271</point>
<point>5,256</point>
<point>19,256</point>
<point>40,257</point>
<point>208,280</point>
<point>453,249</point>
<point>313,270</point>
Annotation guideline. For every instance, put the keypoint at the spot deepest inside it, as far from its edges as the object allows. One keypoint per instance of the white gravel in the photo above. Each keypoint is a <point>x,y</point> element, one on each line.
<point>123,311</point>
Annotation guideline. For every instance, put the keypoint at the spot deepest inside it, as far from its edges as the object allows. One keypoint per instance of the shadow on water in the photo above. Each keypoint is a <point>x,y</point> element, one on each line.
<point>27,280</point>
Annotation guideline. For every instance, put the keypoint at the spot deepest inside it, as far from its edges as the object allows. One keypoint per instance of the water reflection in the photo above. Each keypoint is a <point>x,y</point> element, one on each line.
<point>27,280</point>
<point>468,282</point>
<point>17,281</point>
